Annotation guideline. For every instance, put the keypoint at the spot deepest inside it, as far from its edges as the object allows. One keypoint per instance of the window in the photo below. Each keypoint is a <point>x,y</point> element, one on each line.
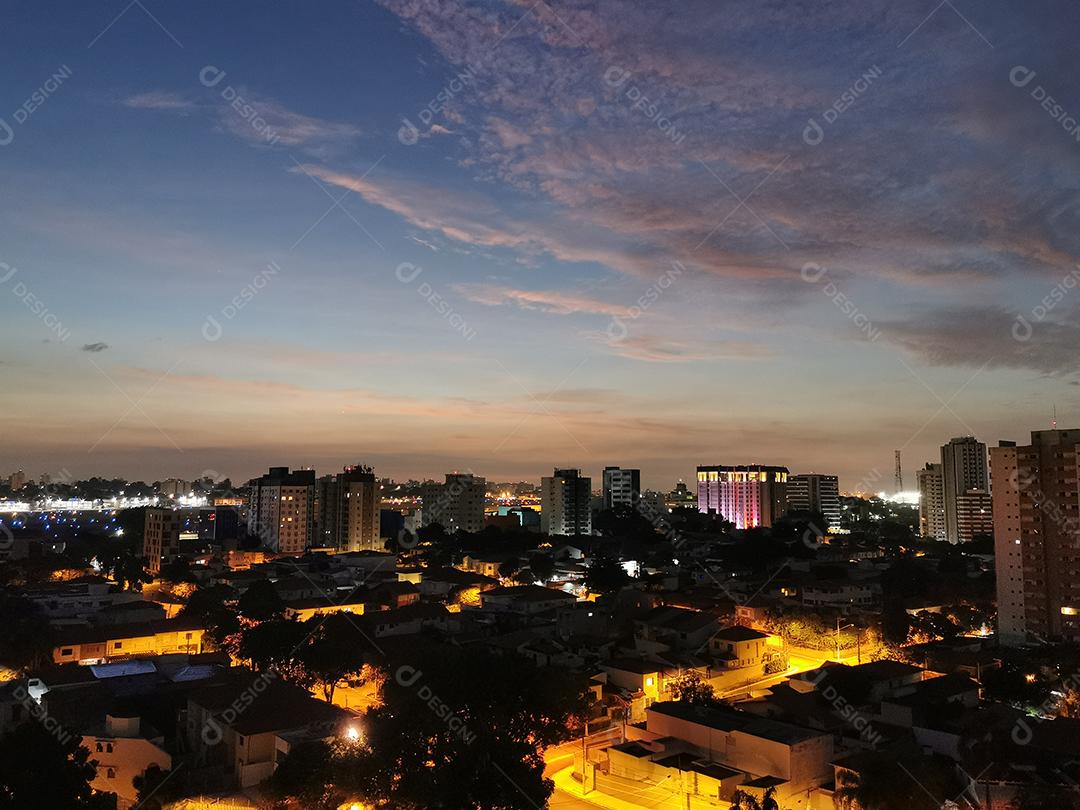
<point>66,651</point>
<point>98,748</point>
<point>110,773</point>
<point>117,645</point>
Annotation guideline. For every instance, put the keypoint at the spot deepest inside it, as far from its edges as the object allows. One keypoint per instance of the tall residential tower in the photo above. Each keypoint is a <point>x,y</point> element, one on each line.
<point>565,506</point>
<point>811,492</point>
<point>963,470</point>
<point>1037,537</point>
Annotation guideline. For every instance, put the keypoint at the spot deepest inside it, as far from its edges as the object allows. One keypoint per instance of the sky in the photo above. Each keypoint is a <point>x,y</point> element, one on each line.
<point>434,235</point>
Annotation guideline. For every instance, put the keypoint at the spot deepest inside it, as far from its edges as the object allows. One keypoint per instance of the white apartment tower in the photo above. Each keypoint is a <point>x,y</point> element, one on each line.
<point>963,469</point>
<point>280,510</point>
<point>622,487</point>
<point>931,502</point>
<point>565,503</point>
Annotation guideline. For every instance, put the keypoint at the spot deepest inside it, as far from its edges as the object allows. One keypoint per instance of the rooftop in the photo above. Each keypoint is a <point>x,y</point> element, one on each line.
<point>733,720</point>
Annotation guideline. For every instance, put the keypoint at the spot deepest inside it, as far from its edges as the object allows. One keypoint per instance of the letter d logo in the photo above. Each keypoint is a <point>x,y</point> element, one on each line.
<point>1021,76</point>
<point>1021,329</point>
<point>406,675</point>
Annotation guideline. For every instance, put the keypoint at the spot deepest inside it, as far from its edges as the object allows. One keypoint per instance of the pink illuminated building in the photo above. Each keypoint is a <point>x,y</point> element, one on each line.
<point>748,496</point>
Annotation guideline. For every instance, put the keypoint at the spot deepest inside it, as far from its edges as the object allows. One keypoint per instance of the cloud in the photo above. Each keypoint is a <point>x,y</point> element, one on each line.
<point>95,347</point>
<point>476,220</point>
<point>915,184</point>
<point>558,302</point>
<point>158,100</point>
<point>255,118</point>
<point>989,337</point>
<point>656,349</point>
<point>282,125</point>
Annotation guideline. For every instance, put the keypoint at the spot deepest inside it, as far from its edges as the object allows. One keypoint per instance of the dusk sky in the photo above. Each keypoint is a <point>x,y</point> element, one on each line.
<point>504,236</point>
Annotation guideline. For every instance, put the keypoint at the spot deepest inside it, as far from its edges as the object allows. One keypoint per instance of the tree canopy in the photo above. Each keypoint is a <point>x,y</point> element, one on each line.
<point>457,729</point>
<point>40,770</point>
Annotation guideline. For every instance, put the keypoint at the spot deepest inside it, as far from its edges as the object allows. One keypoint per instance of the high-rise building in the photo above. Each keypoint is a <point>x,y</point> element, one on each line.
<point>931,502</point>
<point>811,492</point>
<point>456,504</point>
<point>974,515</point>
<point>1037,537</point>
<point>161,537</point>
<point>622,487</point>
<point>746,495</point>
<point>963,469</point>
<point>281,509</point>
<point>347,510</point>
<point>17,480</point>
<point>564,503</point>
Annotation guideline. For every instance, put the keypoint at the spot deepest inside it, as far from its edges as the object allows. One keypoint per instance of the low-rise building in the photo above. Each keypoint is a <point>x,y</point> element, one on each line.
<point>525,599</point>
<point>248,725</point>
<point>665,627</point>
<point>442,583</point>
<point>737,647</point>
<point>94,645</point>
<point>123,748</point>
<point>793,759</point>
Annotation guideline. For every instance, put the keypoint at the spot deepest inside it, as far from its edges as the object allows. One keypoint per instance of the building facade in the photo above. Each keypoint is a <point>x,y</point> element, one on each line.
<point>974,515</point>
<point>621,487</point>
<point>931,502</point>
<point>748,496</point>
<point>963,468</point>
<point>812,492</point>
<point>281,509</point>
<point>1037,537</point>
<point>347,510</point>
<point>161,537</point>
<point>457,504</point>
<point>564,503</point>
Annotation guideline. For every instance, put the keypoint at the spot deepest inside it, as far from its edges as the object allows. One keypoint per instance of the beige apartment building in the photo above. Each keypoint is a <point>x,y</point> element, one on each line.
<point>1036,504</point>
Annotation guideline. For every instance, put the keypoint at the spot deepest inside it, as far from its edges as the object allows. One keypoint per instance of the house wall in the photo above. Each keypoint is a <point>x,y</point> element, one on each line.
<point>129,757</point>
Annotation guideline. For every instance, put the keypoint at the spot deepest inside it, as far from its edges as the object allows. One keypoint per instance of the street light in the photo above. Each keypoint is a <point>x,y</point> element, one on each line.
<point>858,645</point>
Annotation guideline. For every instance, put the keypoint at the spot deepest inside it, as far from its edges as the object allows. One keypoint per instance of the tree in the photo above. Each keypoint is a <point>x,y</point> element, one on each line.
<point>462,728</point>
<point>542,566</point>
<point>605,575</point>
<point>261,602</point>
<point>509,567</point>
<point>219,620</point>
<point>334,652</point>
<point>884,783</point>
<point>177,569</point>
<point>690,688</point>
<point>130,572</point>
<point>1069,703</point>
<point>275,644</point>
<point>41,770</point>
<point>895,622</point>
<point>306,775</point>
<point>26,636</point>
<point>741,800</point>
<point>158,788</point>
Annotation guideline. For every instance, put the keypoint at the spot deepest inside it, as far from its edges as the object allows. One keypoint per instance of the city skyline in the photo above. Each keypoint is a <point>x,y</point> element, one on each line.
<point>471,242</point>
